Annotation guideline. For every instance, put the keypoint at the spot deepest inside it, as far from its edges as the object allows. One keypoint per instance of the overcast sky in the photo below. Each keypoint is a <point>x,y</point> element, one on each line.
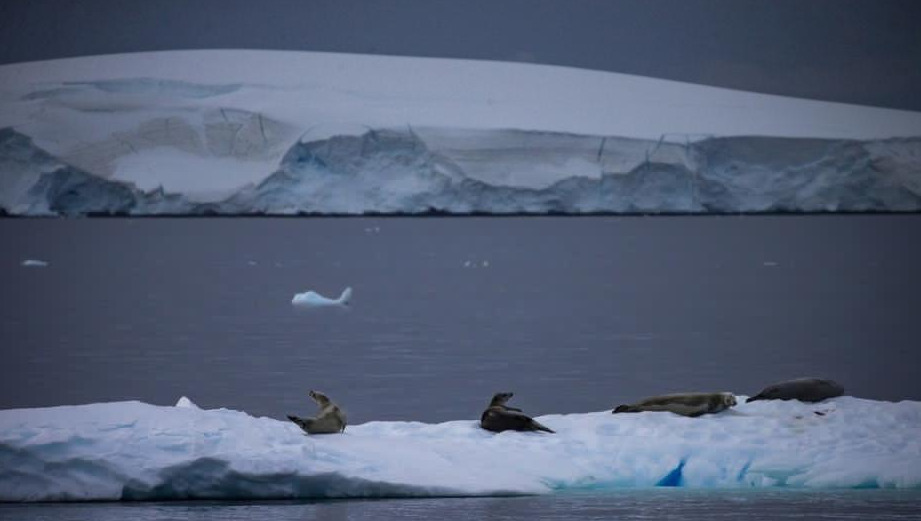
<point>856,51</point>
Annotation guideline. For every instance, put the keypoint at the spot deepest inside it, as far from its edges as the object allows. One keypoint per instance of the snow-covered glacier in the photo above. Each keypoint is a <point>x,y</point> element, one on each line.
<point>133,450</point>
<point>270,132</point>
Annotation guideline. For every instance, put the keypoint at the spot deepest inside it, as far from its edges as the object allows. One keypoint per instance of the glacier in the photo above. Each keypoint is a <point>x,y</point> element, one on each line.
<point>138,451</point>
<point>282,133</point>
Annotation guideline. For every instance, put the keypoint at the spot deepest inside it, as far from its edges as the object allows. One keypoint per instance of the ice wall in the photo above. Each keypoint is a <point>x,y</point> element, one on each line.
<point>409,171</point>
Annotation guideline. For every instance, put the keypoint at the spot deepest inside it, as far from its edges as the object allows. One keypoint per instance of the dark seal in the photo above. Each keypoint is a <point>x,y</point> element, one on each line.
<point>809,390</point>
<point>499,417</point>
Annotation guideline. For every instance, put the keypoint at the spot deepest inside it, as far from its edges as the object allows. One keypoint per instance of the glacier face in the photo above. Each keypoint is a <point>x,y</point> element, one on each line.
<point>137,451</point>
<point>415,171</point>
<point>269,132</point>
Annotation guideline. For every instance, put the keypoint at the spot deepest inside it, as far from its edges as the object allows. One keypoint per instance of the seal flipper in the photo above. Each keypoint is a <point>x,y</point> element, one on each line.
<point>540,427</point>
<point>754,398</point>
<point>624,408</point>
<point>303,423</point>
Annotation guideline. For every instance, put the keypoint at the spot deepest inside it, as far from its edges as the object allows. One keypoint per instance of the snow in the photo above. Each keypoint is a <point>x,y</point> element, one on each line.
<point>178,172</point>
<point>186,403</point>
<point>133,450</point>
<point>243,131</point>
<point>310,88</point>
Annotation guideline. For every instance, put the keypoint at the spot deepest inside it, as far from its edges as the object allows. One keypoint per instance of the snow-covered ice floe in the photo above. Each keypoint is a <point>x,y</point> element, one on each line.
<point>137,451</point>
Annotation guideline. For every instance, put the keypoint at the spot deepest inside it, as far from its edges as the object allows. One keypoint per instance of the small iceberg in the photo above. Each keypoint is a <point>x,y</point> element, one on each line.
<point>314,299</point>
<point>34,263</point>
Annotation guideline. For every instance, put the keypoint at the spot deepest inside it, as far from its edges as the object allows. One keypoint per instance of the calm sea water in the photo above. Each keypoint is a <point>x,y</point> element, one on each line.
<point>572,314</point>
<point>620,505</point>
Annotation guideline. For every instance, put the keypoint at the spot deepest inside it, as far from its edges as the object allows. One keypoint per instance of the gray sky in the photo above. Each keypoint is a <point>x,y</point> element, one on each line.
<point>855,51</point>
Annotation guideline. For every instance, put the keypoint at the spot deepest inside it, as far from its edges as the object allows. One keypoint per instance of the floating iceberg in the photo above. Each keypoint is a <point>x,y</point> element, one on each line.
<point>34,263</point>
<point>133,450</point>
<point>314,299</point>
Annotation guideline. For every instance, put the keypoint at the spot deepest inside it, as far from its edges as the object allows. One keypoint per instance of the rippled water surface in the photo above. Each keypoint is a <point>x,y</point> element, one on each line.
<point>572,314</point>
<point>622,505</point>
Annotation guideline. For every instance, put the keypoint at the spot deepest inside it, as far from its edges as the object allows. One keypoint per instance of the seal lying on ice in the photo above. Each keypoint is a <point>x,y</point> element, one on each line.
<point>330,420</point>
<point>499,417</point>
<point>685,404</point>
<point>803,389</point>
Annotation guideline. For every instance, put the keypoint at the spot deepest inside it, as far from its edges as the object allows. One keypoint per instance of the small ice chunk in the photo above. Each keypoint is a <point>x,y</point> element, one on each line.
<point>34,263</point>
<point>312,298</point>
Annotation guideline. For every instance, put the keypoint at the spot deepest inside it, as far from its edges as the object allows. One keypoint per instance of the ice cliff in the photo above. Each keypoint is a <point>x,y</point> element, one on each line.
<point>270,132</point>
<point>397,171</point>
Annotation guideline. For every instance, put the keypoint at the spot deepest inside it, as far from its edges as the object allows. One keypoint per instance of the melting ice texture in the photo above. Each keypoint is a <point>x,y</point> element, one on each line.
<point>250,132</point>
<point>137,451</point>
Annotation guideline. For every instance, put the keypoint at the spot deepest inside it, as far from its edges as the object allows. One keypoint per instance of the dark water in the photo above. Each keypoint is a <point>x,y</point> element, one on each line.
<point>621,505</point>
<point>572,314</point>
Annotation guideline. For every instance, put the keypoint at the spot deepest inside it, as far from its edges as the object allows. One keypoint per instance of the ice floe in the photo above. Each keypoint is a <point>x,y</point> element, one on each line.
<point>133,450</point>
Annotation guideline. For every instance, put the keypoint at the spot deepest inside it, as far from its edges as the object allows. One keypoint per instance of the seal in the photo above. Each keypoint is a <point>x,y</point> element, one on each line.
<point>330,420</point>
<point>809,390</point>
<point>685,404</point>
<point>499,417</point>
